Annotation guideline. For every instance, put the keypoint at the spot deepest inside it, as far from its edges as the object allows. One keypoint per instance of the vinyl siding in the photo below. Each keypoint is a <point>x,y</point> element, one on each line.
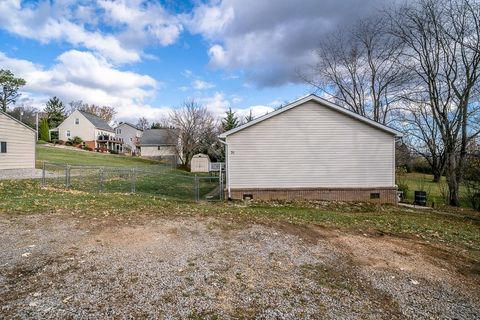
<point>84,129</point>
<point>129,135</point>
<point>152,151</point>
<point>311,146</point>
<point>20,144</point>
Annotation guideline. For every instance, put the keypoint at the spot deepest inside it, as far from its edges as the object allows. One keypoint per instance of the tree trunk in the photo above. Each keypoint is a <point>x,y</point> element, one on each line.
<point>453,180</point>
<point>437,176</point>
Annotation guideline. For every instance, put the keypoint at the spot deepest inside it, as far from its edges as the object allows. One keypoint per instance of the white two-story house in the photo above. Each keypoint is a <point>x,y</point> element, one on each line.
<point>131,136</point>
<point>95,132</point>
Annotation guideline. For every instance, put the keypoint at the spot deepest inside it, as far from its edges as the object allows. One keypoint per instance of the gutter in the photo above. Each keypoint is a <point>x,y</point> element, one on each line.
<point>227,168</point>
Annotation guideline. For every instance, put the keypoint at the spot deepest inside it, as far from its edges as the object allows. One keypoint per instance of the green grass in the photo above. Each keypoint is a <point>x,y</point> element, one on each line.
<point>74,157</point>
<point>459,227</point>
<point>435,191</point>
<point>150,176</point>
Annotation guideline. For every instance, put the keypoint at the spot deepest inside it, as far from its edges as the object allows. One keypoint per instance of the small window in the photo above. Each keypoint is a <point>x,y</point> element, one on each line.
<point>131,139</point>
<point>158,148</point>
<point>68,133</point>
<point>77,121</point>
<point>119,131</point>
<point>374,195</point>
<point>3,147</point>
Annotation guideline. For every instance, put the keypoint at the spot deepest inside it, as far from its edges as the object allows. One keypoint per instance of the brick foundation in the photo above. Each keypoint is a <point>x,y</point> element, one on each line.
<point>385,194</point>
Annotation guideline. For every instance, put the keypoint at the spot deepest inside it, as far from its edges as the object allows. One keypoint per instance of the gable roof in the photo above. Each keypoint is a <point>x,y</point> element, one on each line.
<point>98,122</point>
<point>16,120</point>
<point>321,101</point>
<point>129,124</point>
<point>158,137</point>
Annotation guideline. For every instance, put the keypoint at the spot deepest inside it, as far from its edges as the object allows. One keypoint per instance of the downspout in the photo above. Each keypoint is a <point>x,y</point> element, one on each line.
<point>227,168</point>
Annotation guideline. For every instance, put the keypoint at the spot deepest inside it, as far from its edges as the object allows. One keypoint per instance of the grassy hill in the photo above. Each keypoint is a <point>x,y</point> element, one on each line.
<point>80,157</point>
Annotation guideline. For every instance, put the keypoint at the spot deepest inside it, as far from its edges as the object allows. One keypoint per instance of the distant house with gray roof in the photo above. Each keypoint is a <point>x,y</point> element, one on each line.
<point>159,143</point>
<point>95,132</point>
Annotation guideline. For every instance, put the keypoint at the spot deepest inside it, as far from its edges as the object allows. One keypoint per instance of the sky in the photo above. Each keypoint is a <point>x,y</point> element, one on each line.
<point>145,57</point>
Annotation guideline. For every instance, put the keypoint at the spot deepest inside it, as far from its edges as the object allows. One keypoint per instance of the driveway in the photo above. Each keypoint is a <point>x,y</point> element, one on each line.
<point>56,266</point>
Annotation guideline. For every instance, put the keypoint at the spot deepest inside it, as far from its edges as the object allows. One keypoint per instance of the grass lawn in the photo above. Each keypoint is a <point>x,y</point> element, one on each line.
<point>73,157</point>
<point>424,182</point>
<point>152,177</point>
<point>459,227</point>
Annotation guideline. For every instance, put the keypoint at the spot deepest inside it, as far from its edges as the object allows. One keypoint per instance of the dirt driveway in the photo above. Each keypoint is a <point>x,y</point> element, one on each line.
<point>194,267</point>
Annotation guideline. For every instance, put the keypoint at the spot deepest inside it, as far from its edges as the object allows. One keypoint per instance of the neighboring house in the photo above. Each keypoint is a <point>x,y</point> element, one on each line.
<point>312,149</point>
<point>93,130</point>
<point>159,144</point>
<point>17,143</point>
<point>130,135</point>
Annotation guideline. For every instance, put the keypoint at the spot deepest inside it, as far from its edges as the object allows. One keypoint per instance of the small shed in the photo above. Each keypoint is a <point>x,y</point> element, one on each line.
<point>200,163</point>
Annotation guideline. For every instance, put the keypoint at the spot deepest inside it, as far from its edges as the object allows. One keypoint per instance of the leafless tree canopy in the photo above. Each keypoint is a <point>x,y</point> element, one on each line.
<point>197,128</point>
<point>416,67</point>
<point>358,68</point>
<point>441,39</point>
<point>105,112</point>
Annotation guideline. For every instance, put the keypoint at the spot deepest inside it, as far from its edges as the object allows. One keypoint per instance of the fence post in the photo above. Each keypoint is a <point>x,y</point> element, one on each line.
<point>67,176</point>
<point>43,174</point>
<point>195,189</point>
<point>221,185</point>
<point>101,179</point>
<point>133,178</point>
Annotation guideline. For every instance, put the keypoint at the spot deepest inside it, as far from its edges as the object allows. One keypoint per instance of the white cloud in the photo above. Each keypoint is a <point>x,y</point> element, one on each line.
<point>79,75</point>
<point>271,43</point>
<point>202,85</point>
<point>132,25</point>
<point>218,104</point>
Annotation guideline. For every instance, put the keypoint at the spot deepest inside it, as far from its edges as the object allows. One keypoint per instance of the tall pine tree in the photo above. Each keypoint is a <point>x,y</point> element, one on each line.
<point>55,110</point>
<point>44,130</point>
<point>230,121</point>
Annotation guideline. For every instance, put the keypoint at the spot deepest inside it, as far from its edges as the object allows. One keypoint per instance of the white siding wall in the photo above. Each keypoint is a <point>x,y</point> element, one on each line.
<point>20,144</point>
<point>84,129</point>
<point>311,146</point>
<point>128,134</point>
<point>152,151</point>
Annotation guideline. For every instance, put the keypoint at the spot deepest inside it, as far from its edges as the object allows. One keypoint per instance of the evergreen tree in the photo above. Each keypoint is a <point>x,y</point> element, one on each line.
<point>250,117</point>
<point>230,121</point>
<point>55,110</point>
<point>9,86</point>
<point>44,130</point>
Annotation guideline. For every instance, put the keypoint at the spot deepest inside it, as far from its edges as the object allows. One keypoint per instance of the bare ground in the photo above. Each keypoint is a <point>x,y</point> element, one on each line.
<point>54,266</point>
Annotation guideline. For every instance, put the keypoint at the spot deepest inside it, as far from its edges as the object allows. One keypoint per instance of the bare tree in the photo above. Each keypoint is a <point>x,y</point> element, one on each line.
<point>143,123</point>
<point>442,42</point>
<point>197,130</point>
<point>358,68</point>
<point>105,112</point>
<point>422,135</point>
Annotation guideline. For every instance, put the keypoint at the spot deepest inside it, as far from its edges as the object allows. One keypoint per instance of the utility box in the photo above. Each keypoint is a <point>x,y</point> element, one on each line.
<point>200,163</point>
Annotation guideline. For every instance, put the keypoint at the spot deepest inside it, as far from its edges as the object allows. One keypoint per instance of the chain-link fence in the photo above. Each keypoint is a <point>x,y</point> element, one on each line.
<point>159,181</point>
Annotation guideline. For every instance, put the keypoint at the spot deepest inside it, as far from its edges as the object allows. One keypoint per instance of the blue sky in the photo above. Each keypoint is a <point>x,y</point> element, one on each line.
<point>146,57</point>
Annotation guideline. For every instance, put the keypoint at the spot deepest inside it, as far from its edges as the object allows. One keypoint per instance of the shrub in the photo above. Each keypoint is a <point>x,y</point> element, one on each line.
<point>113,152</point>
<point>421,165</point>
<point>76,140</point>
<point>472,181</point>
<point>60,142</point>
<point>41,142</point>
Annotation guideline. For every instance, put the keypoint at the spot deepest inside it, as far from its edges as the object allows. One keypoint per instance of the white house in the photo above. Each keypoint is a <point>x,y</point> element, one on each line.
<point>130,134</point>
<point>17,144</point>
<point>159,144</point>
<point>95,132</point>
<point>311,149</point>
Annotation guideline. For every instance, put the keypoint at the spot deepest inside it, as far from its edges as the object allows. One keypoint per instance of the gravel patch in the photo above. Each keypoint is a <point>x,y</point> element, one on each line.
<point>146,267</point>
<point>18,174</point>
